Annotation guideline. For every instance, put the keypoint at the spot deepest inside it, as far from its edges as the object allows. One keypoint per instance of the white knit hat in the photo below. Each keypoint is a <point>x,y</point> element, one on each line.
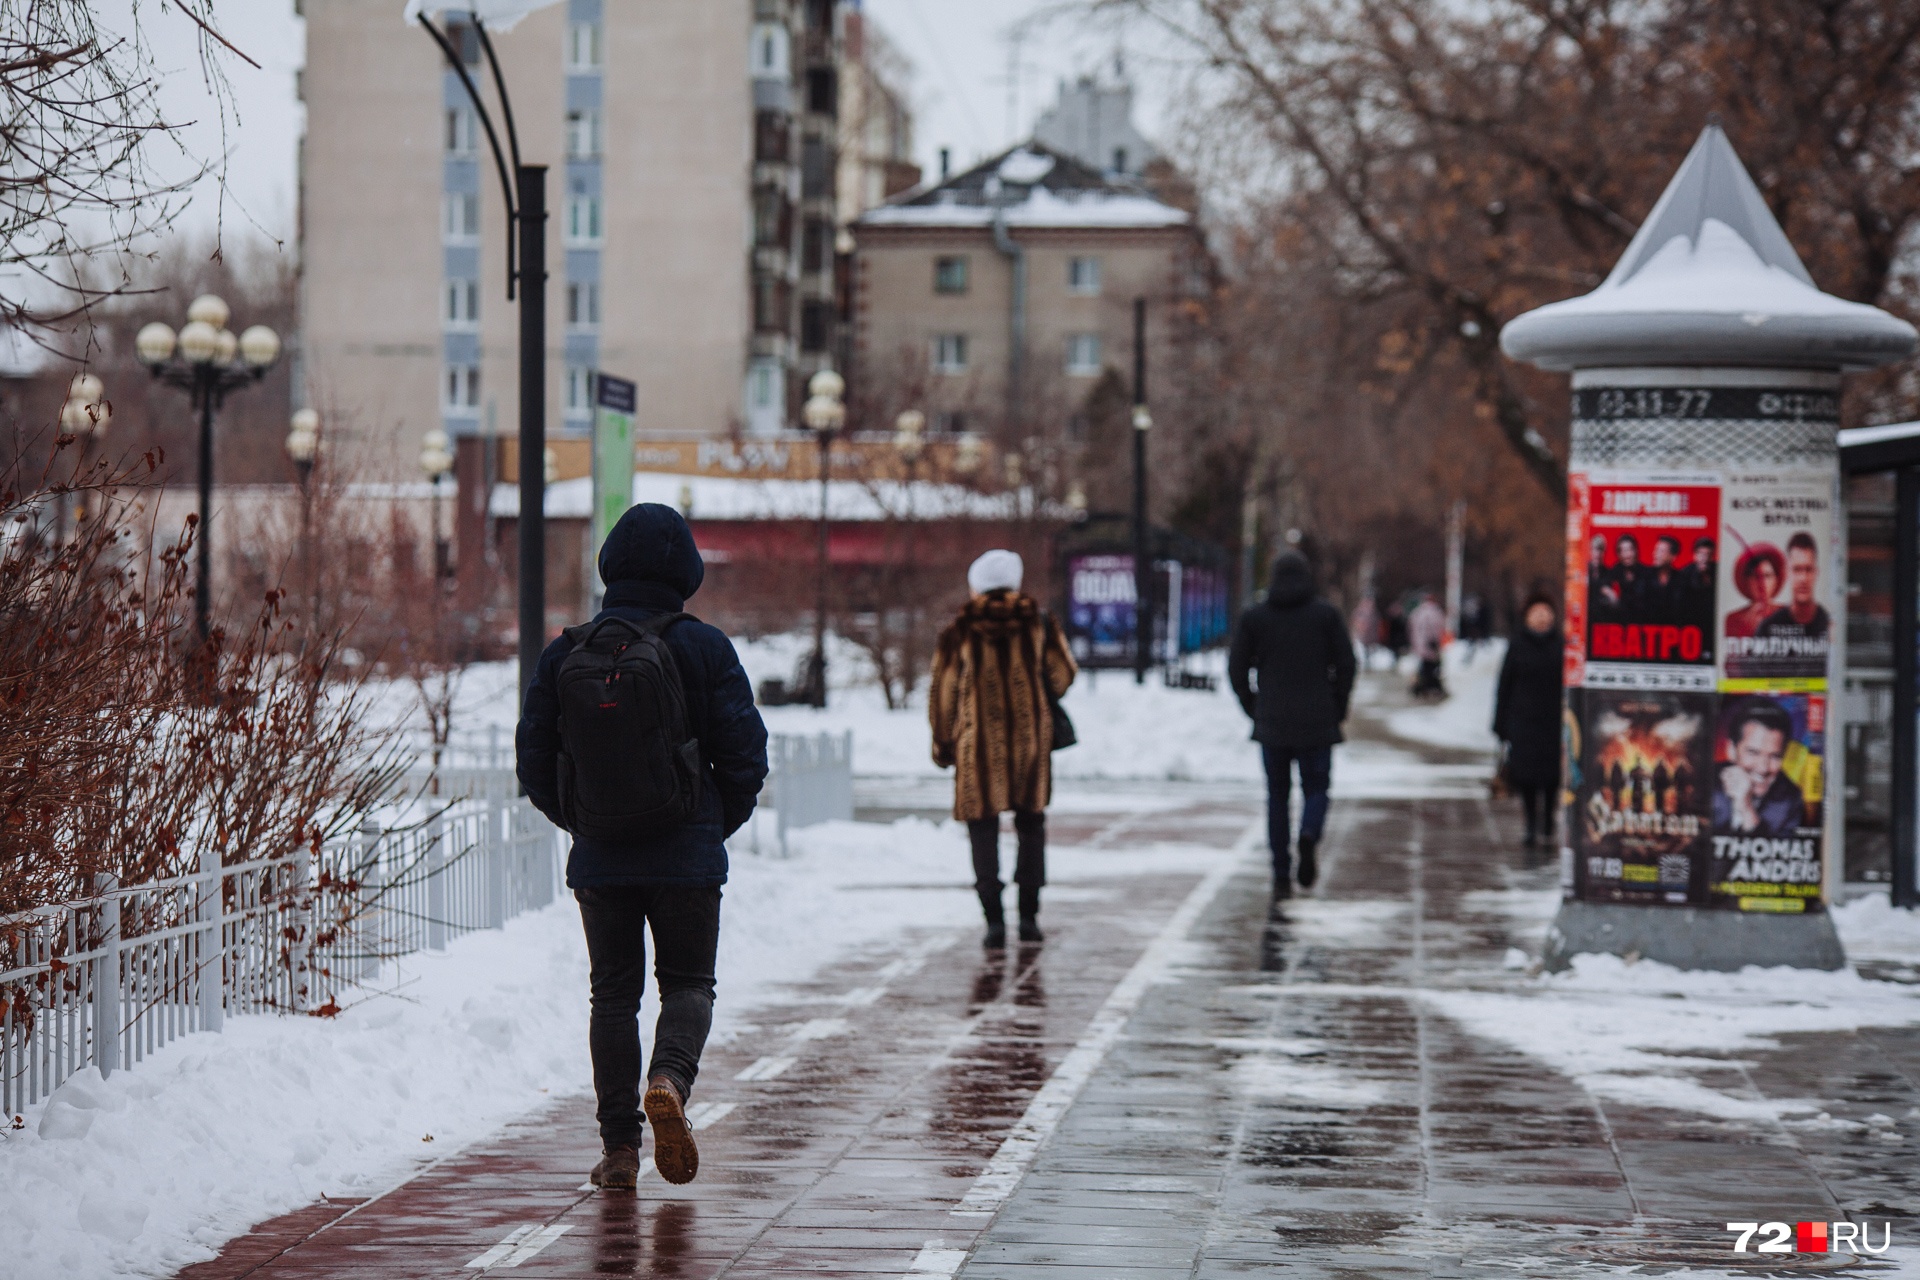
<point>994,570</point>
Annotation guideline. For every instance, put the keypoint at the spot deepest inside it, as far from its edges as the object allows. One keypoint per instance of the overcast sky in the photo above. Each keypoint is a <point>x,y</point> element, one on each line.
<point>961,54</point>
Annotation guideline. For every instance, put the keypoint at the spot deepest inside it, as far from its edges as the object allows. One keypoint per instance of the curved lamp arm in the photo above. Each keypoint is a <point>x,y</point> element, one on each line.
<point>486,120</point>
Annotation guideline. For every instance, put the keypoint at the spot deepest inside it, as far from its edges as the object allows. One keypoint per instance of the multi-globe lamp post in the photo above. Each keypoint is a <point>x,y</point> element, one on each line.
<point>303,450</point>
<point>824,414</point>
<point>436,460</point>
<point>207,361</point>
<point>85,416</point>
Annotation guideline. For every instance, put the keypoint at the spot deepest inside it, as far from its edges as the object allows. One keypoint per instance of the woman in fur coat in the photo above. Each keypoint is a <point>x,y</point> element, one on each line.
<point>997,671</point>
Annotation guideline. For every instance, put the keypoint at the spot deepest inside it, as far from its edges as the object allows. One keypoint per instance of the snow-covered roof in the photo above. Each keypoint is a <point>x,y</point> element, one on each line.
<point>1036,187</point>
<point>731,498</point>
<point>1710,278</point>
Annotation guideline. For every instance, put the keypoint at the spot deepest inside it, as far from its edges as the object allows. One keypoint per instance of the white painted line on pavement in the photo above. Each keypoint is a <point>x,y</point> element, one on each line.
<point>702,1114</point>
<point>1009,1164</point>
<point>935,1259</point>
<point>819,1029</point>
<point>766,1068</point>
<point>522,1243</point>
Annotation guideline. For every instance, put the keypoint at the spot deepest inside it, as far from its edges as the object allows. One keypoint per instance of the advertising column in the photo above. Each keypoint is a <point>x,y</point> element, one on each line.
<point>1699,616</point>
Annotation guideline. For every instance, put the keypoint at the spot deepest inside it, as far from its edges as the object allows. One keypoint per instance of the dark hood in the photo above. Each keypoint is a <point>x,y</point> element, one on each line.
<point>649,559</point>
<point>1290,582</point>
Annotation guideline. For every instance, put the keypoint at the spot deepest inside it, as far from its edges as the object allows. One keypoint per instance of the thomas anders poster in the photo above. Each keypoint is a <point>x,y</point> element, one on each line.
<point>1651,564</point>
<point>1777,592</point>
<point>1641,798</point>
<point>1767,801</point>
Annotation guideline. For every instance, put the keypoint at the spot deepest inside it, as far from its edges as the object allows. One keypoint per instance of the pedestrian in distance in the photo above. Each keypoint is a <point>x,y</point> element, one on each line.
<point>999,671</point>
<point>1292,667</point>
<point>639,737</point>
<point>1527,715</point>
<point>1427,633</point>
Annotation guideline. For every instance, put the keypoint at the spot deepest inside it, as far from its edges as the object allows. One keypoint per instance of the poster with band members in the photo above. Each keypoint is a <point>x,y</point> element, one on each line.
<point>1777,588</point>
<point>1639,774</point>
<point>1643,565</point>
<point>1768,802</point>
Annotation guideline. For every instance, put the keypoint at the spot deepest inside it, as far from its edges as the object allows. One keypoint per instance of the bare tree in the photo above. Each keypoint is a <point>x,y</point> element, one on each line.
<point>82,189</point>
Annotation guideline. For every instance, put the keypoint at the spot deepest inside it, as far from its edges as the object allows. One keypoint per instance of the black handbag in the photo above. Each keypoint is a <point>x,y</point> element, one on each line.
<point>1063,734</point>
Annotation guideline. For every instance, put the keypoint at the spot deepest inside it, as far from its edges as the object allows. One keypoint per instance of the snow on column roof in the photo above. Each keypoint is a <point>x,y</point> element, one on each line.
<point>1709,279</point>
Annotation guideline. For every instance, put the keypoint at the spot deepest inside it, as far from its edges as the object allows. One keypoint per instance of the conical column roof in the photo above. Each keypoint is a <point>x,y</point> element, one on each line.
<point>1710,279</point>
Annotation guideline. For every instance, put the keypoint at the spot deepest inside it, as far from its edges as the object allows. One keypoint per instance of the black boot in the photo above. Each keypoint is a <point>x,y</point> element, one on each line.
<point>996,915</point>
<point>1309,869</point>
<point>1029,914</point>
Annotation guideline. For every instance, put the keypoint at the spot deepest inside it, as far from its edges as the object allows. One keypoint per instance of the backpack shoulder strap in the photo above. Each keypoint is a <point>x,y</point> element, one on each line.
<point>583,634</point>
<point>658,626</point>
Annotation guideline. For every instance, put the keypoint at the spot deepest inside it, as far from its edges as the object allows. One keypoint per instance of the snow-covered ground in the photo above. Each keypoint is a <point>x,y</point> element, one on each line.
<point>1465,718</point>
<point>152,1169</point>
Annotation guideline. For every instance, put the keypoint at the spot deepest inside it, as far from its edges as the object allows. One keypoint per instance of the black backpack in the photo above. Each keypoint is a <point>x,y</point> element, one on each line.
<point>629,769</point>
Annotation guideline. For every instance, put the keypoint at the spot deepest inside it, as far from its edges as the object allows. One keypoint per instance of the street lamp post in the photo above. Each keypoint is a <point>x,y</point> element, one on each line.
<point>524,189</point>
<point>206,361</point>
<point>436,459</point>
<point>824,413</point>
<point>303,446</point>
<point>85,415</point>
<point>1142,565</point>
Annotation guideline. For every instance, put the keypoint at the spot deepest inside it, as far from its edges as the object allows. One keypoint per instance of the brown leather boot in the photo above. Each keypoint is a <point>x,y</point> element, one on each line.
<point>674,1152</point>
<point>618,1170</point>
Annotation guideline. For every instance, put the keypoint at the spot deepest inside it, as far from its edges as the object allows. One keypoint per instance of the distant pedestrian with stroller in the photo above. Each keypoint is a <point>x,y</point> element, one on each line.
<point>999,671</point>
<point>1292,667</point>
<point>639,737</point>
<point>1527,716</point>
<point>1427,635</point>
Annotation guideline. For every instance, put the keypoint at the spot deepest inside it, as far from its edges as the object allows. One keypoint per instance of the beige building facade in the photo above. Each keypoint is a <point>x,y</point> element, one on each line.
<point>690,147</point>
<point>997,301</point>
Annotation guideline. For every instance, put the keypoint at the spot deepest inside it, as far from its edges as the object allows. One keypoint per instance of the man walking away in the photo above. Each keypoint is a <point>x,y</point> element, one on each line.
<point>998,672</point>
<point>1296,650</point>
<point>639,737</point>
<point>1427,632</point>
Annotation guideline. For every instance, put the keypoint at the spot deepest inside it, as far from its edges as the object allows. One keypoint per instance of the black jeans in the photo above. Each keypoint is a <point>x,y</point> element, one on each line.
<point>1316,777</point>
<point>686,932</point>
<point>1536,803</point>
<point>1029,864</point>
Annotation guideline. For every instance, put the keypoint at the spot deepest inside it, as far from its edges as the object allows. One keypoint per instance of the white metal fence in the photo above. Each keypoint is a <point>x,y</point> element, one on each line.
<point>107,980</point>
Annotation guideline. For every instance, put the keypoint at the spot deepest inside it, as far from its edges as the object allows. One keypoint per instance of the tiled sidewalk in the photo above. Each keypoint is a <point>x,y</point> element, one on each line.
<point>1270,1098</point>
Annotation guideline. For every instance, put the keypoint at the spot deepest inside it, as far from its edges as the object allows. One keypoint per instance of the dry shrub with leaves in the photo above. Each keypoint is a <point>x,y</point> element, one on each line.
<point>127,747</point>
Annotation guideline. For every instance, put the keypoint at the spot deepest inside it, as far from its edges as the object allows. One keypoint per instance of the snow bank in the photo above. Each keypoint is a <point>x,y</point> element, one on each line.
<point>1465,719</point>
<point>152,1169</point>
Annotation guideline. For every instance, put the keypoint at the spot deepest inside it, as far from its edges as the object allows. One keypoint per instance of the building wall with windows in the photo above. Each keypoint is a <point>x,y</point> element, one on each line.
<point>933,301</point>
<point>691,152</point>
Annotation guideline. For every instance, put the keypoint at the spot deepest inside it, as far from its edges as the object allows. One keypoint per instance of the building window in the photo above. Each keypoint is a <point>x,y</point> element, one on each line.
<point>1119,159</point>
<point>822,91</point>
<point>463,303</point>
<point>952,423</point>
<point>462,386</point>
<point>583,46</point>
<point>583,219</point>
<point>583,134</point>
<point>1083,276</point>
<point>768,55</point>
<point>579,391</point>
<point>950,353</point>
<point>816,324</point>
<point>770,214</point>
<point>771,133</point>
<point>949,275</point>
<point>460,216</point>
<point>766,397</point>
<point>816,169</point>
<point>583,304</point>
<point>816,245</point>
<point>462,126</point>
<point>1083,354</point>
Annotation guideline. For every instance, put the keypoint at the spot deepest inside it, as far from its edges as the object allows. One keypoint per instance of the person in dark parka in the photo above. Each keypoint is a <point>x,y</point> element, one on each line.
<point>1295,647</point>
<point>1526,715</point>
<point>668,879</point>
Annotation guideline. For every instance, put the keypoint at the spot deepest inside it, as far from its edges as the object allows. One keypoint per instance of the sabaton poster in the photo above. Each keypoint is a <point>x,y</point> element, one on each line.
<point>1641,800</point>
<point>1777,588</point>
<point>1768,792</point>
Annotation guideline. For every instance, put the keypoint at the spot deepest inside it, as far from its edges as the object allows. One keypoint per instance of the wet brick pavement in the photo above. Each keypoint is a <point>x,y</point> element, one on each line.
<point>1266,1096</point>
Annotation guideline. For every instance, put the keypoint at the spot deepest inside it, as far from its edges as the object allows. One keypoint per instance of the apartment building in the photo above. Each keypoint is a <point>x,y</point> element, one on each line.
<point>996,301</point>
<point>693,154</point>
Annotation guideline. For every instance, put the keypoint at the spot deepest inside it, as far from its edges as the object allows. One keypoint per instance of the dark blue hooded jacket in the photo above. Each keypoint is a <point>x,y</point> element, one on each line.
<point>651,566</point>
